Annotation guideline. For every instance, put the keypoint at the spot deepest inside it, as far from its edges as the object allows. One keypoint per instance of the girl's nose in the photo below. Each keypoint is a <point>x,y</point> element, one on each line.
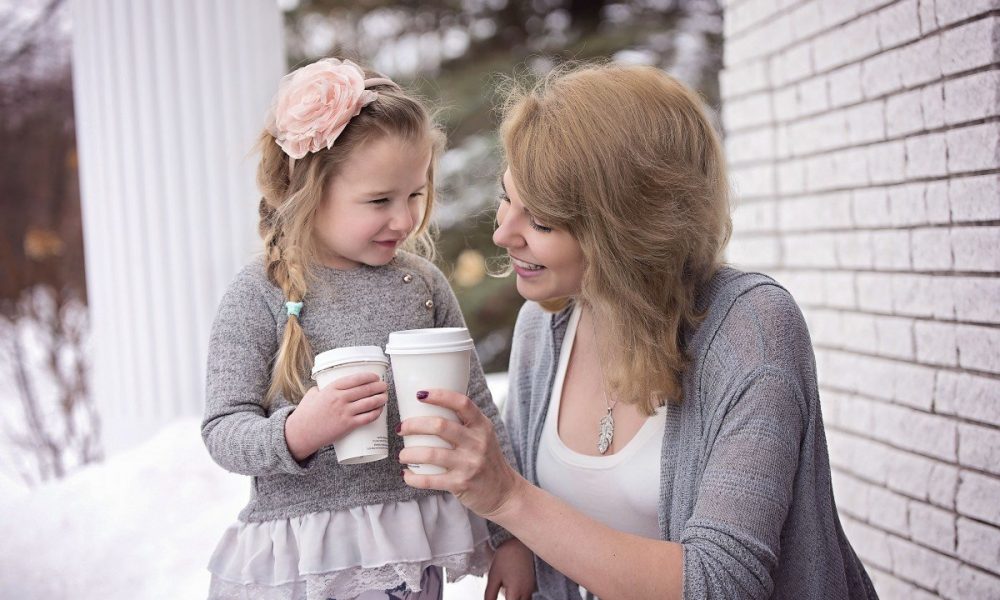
<point>402,219</point>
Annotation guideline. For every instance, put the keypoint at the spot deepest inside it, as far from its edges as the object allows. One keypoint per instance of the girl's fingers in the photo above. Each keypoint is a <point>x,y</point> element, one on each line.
<point>352,381</point>
<point>492,586</point>
<point>367,417</point>
<point>365,390</point>
<point>364,405</point>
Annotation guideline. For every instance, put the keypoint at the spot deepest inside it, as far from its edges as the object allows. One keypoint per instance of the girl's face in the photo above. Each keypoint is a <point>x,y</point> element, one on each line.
<point>548,262</point>
<point>373,204</point>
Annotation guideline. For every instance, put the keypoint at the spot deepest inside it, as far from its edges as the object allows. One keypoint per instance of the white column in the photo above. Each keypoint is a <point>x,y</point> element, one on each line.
<point>169,98</point>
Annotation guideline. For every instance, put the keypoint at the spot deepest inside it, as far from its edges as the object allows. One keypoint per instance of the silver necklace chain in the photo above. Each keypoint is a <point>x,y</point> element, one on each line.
<point>606,432</point>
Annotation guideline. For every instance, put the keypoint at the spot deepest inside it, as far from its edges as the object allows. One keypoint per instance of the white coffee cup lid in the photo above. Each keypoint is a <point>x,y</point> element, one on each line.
<point>429,341</point>
<point>347,355</point>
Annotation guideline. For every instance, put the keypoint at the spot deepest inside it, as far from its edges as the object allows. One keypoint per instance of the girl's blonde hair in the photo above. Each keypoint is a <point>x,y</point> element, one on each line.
<point>625,159</point>
<point>290,198</point>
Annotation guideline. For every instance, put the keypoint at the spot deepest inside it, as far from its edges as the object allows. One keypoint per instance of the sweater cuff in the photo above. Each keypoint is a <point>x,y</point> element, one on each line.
<point>498,535</point>
<point>286,462</point>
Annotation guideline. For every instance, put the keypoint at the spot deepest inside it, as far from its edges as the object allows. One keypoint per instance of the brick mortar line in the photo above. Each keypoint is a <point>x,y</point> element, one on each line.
<point>788,10</point>
<point>797,5</point>
<point>832,190</point>
<point>897,535</point>
<point>867,229</point>
<point>759,234</point>
<point>848,268</point>
<point>928,502</point>
<point>799,269</point>
<point>955,418</point>
<point>922,36</point>
<point>874,271</point>
<point>885,485</point>
<point>898,576</point>
<point>915,361</point>
<point>807,194</point>
<point>888,270</point>
<point>806,305</point>
<point>772,88</point>
<point>921,318</point>
<point>860,145</point>
<point>920,587</point>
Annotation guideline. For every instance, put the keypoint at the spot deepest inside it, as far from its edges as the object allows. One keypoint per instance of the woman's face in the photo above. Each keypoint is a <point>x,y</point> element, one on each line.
<point>548,262</point>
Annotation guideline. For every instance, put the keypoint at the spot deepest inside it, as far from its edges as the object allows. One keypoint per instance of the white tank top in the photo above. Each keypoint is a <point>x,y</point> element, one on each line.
<point>621,490</point>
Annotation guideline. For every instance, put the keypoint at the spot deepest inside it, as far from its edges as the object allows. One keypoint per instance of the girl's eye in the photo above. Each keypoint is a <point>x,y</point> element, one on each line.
<point>504,198</point>
<point>416,195</point>
<point>380,201</point>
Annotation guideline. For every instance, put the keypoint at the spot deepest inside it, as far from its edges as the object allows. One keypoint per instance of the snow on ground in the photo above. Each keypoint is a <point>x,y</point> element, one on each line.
<point>140,526</point>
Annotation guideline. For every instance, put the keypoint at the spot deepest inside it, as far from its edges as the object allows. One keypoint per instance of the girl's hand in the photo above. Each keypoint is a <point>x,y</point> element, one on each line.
<point>478,473</point>
<point>324,416</point>
<point>513,569</point>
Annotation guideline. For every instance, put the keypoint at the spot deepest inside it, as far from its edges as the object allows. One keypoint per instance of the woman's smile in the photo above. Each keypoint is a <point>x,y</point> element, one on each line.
<point>526,269</point>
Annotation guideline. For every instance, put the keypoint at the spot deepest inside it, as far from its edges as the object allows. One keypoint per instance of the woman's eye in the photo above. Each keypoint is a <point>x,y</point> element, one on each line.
<point>538,227</point>
<point>504,198</point>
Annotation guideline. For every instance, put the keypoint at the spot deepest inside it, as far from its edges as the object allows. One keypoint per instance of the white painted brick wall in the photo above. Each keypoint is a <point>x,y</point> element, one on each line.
<point>864,139</point>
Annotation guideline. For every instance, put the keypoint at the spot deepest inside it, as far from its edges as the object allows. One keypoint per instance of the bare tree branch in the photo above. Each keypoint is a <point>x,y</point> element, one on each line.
<point>30,34</point>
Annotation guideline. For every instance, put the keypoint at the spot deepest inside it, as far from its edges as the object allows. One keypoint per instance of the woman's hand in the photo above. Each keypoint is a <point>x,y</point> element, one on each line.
<point>324,416</point>
<point>513,569</point>
<point>478,473</point>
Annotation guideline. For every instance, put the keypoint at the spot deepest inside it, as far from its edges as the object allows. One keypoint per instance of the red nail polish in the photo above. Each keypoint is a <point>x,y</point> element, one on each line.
<point>399,427</point>
<point>422,395</point>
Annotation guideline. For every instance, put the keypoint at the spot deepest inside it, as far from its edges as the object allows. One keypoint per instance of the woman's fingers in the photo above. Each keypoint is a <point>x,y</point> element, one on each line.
<point>426,482</point>
<point>426,455</point>
<point>465,408</point>
<point>454,433</point>
<point>478,473</point>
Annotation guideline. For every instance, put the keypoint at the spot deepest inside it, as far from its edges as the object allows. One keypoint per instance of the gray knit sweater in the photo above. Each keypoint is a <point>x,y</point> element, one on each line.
<point>744,474</point>
<point>342,308</point>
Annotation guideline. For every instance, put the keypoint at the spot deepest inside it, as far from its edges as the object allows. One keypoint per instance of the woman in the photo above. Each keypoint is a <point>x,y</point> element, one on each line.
<point>663,408</point>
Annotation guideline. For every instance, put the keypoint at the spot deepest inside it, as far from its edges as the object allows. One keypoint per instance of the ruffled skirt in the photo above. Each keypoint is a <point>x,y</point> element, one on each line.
<point>342,554</point>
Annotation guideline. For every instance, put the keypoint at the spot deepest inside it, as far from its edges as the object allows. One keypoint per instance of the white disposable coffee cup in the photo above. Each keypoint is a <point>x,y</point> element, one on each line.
<point>425,359</point>
<point>370,442</point>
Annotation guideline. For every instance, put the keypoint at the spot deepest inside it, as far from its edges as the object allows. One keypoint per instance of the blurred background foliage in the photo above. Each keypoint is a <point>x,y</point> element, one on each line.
<point>452,52</point>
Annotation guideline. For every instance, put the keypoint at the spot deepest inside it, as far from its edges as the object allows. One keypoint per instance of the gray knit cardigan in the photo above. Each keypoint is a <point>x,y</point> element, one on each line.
<point>341,308</point>
<point>744,473</point>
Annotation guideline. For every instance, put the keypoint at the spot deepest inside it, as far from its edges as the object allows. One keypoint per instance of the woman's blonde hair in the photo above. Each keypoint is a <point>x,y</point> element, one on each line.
<point>625,159</point>
<point>290,198</point>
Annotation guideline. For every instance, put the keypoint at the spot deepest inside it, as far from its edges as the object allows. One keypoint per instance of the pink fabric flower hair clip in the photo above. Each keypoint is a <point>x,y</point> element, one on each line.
<point>314,104</point>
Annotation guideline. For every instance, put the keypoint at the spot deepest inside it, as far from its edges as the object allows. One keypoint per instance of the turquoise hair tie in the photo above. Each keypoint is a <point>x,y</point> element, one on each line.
<point>293,308</point>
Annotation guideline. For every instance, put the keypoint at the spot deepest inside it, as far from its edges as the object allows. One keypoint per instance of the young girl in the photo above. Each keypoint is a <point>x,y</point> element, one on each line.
<point>347,177</point>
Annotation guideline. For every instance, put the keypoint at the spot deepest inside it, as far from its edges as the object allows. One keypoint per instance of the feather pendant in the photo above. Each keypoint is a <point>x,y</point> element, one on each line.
<point>607,432</point>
